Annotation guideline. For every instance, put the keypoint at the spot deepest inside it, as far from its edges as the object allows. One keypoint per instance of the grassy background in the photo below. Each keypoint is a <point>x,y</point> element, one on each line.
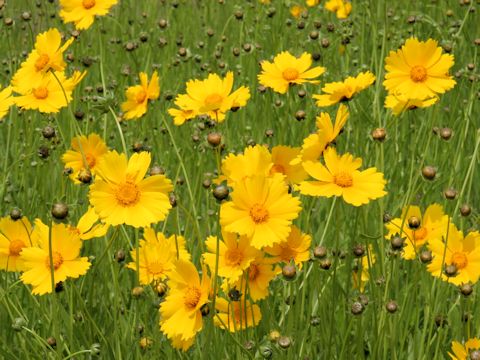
<point>99,308</point>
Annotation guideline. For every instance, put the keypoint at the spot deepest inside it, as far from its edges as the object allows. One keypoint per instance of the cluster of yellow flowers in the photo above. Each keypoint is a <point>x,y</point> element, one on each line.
<point>341,8</point>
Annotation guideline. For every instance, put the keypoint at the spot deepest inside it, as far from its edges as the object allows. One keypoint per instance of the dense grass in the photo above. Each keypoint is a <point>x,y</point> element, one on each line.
<point>98,311</point>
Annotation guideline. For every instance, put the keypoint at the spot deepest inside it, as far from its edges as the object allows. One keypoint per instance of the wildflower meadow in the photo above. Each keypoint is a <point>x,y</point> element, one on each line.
<point>239,179</point>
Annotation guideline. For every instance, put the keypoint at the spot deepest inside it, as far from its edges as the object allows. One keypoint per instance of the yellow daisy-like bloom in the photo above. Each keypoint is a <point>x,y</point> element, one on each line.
<point>234,255</point>
<point>312,3</point>
<point>46,56</point>
<point>341,8</point>
<point>181,116</point>
<point>157,256</point>
<point>433,224</point>
<point>462,352</point>
<point>282,157</point>
<point>235,316</point>
<point>400,103</point>
<point>6,100</point>
<point>82,12</point>
<point>51,94</point>
<point>456,253</point>
<point>360,278</point>
<point>262,209</point>
<point>14,237</point>
<point>340,177</point>
<point>418,70</point>
<point>297,10</point>
<point>85,154</point>
<point>88,226</point>
<point>138,96</point>
<point>65,261</point>
<point>121,195</point>
<point>296,248</point>
<point>345,90</point>
<point>181,315</point>
<point>286,69</point>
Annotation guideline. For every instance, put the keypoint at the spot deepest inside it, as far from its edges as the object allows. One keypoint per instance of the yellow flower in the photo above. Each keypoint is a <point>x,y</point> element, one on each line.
<point>342,8</point>
<point>52,93</point>
<point>88,227</point>
<point>234,255</point>
<point>340,177</point>
<point>433,224</point>
<point>14,237</point>
<point>85,154</point>
<point>312,3</point>
<point>360,277</point>
<point>181,116</point>
<point>344,90</point>
<point>83,12</point>
<point>236,315</point>
<point>157,256</point>
<point>400,102</point>
<point>46,56</point>
<point>418,70</point>
<point>297,10</point>
<point>282,157</point>
<point>463,352</point>
<point>262,209</point>
<point>296,248</point>
<point>6,100</point>
<point>65,261</point>
<point>286,69</point>
<point>457,256</point>
<point>181,315</point>
<point>138,96</point>
<point>121,195</point>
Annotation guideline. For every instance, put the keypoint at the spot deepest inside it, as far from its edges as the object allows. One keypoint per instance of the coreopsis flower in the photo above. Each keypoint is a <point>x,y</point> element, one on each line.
<point>315,144</point>
<point>181,315</point>
<point>418,70</point>
<point>464,352</point>
<point>345,90</point>
<point>400,103</point>
<point>312,3</point>
<point>82,12</point>
<point>14,237</point>
<point>65,261</point>
<point>456,259</point>
<point>297,10</point>
<point>234,256</point>
<point>89,227</point>
<point>340,177</point>
<point>296,248</point>
<point>6,100</point>
<point>84,155</point>
<point>262,209</point>
<point>50,94</point>
<point>236,315</point>
<point>181,116</point>
<point>121,195</point>
<point>433,225</point>
<point>46,56</point>
<point>286,69</point>
<point>138,96</point>
<point>362,275</point>
<point>157,256</point>
<point>341,8</point>
<point>282,157</point>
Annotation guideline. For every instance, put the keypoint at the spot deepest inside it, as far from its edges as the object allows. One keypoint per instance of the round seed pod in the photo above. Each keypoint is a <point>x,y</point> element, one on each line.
<point>214,139</point>
<point>221,192</point>
<point>249,345</point>
<point>451,270</point>
<point>426,256</point>
<point>266,352</point>
<point>300,115</point>
<point>15,214</point>
<point>379,134</point>
<point>59,211</point>
<point>466,289</point>
<point>429,172</point>
<point>450,194</point>
<point>320,252</point>
<point>48,132</point>
<point>446,133</point>
<point>357,308</point>
<point>465,210</point>
<point>289,272</point>
<point>397,242</point>
<point>85,176</point>
<point>414,223</point>
<point>156,170</point>
<point>391,306</point>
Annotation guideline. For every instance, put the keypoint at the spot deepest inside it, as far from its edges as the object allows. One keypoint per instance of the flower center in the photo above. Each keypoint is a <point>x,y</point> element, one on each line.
<point>213,99</point>
<point>141,96</point>
<point>290,74</point>
<point>15,247</point>
<point>287,254</point>
<point>57,260</point>
<point>156,268</point>
<point>41,62</point>
<point>420,234</point>
<point>233,257</point>
<point>40,93</point>
<point>418,73</point>
<point>192,297</point>
<point>343,179</point>
<point>277,168</point>
<point>127,194</point>
<point>258,213</point>
<point>90,159</point>
<point>459,259</point>
<point>88,4</point>
<point>253,272</point>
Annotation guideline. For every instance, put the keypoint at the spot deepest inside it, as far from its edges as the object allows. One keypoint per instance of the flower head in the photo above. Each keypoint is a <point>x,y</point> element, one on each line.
<point>6,100</point>
<point>282,158</point>
<point>82,12</point>
<point>14,237</point>
<point>462,352</point>
<point>296,248</point>
<point>399,103</point>
<point>88,226</point>
<point>341,8</point>
<point>138,96</point>
<point>236,315</point>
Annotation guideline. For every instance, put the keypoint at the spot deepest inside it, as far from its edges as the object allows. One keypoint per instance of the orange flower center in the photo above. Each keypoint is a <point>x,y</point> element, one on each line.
<point>287,254</point>
<point>418,73</point>
<point>253,272</point>
<point>41,62</point>
<point>141,96</point>
<point>88,4</point>
<point>127,194</point>
<point>90,159</point>
<point>420,234</point>
<point>15,247</point>
<point>343,179</point>
<point>290,74</point>
<point>459,259</point>
<point>40,93</point>
<point>258,213</point>
<point>192,297</point>
<point>213,99</point>
<point>57,260</point>
<point>156,268</point>
<point>233,257</point>
<point>277,168</point>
